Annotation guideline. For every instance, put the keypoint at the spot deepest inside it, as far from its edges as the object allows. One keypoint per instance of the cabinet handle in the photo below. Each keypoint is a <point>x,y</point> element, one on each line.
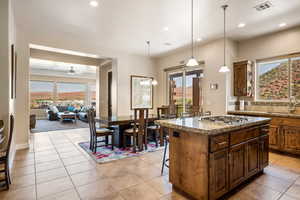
<point>176,134</point>
<point>222,143</point>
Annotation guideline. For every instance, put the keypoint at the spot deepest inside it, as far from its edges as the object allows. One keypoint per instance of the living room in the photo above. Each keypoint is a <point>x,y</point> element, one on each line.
<point>62,91</point>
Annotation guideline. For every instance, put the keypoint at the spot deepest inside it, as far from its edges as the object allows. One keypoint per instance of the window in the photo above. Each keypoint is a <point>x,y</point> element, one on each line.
<point>295,78</point>
<point>41,94</point>
<point>278,79</point>
<point>71,93</point>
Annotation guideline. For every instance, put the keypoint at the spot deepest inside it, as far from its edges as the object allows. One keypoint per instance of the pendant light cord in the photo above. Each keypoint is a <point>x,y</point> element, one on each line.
<point>224,7</point>
<point>192,27</point>
<point>148,44</point>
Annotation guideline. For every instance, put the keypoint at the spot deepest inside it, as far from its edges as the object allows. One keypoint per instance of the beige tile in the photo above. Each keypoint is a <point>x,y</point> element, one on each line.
<point>141,191</point>
<point>49,165</point>
<point>278,184</point>
<point>85,178</point>
<point>70,154</point>
<point>50,175</point>
<point>294,191</point>
<point>23,163</point>
<point>47,159</point>
<point>22,181</point>
<point>281,173</point>
<point>287,197</point>
<point>80,167</point>
<point>27,193</point>
<point>289,163</point>
<point>125,181</point>
<point>53,187</point>
<point>23,171</point>
<point>66,195</point>
<point>173,196</point>
<point>111,170</point>
<point>161,185</point>
<point>147,173</point>
<point>95,190</point>
<point>259,192</point>
<point>114,196</point>
<point>74,160</point>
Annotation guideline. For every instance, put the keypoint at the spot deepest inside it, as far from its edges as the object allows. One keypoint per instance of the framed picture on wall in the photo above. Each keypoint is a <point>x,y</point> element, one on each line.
<point>12,71</point>
<point>15,75</point>
<point>141,92</point>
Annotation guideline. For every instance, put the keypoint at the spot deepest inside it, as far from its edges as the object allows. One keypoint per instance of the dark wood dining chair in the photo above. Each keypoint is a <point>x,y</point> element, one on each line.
<point>96,133</point>
<point>139,130</point>
<point>162,113</point>
<point>4,155</point>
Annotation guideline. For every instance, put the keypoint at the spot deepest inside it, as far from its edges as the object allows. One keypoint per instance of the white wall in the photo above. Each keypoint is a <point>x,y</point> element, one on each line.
<point>7,38</point>
<point>276,44</point>
<point>212,54</point>
<point>124,65</point>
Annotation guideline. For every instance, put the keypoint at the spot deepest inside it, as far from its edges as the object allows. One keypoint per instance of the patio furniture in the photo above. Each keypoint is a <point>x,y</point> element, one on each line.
<point>32,121</point>
<point>63,116</point>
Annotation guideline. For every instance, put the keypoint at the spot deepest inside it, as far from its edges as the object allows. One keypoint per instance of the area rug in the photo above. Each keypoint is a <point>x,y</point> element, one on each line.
<point>105,154</point>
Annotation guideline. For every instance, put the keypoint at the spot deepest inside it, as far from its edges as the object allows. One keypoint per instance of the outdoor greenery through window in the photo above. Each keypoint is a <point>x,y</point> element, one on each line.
<point>278,79</point>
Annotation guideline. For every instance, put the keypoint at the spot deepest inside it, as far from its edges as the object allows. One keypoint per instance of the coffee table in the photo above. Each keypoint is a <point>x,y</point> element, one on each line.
<point>66,116</point>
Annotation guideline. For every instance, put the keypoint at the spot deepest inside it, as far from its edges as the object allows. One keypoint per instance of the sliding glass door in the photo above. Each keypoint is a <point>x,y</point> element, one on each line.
<point>181,89</point>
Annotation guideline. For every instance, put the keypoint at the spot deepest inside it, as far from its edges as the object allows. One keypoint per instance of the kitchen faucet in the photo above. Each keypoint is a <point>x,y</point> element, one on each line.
<point>293,103</point>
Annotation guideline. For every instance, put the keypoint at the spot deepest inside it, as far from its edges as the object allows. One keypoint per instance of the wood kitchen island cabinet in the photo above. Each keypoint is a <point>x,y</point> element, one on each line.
<point>209,159</point>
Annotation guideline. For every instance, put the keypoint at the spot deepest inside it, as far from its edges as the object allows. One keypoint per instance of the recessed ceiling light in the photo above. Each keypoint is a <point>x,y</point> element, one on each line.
<point>241,25</point>
<point>94,3</point>
<point>166,28</point>
<point>282,24</point>
<point>199,39</point>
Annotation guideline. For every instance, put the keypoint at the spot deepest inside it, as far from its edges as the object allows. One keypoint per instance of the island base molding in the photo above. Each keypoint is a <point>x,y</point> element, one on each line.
<point>207,167</point>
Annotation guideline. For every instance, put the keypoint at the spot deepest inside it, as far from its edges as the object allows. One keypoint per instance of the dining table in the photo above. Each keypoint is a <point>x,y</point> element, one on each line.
<point>121,123</point>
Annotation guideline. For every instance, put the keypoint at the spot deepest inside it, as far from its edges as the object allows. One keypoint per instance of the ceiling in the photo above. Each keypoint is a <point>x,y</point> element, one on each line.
<point>61,69</point>
<point>127,25</point>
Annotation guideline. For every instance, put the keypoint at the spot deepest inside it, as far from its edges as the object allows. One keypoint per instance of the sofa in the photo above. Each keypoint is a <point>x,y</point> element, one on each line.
<point>82,114</point>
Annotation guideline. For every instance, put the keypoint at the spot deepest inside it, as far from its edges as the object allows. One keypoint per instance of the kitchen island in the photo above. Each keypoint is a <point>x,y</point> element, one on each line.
<point>210,156</point>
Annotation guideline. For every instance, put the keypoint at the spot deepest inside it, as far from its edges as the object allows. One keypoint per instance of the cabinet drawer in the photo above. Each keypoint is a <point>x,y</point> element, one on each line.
<point>244,135</point>
<point>219,142</point>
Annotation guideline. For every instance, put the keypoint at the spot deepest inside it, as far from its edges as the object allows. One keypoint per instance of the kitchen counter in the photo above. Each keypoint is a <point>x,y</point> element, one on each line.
<point>264,114</point>
<point>206,127</point>
<point>211,156</point>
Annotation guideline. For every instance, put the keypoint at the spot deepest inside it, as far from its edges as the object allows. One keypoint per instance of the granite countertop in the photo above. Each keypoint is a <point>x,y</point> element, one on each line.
<point>264,114</point>
<point>206,127</point>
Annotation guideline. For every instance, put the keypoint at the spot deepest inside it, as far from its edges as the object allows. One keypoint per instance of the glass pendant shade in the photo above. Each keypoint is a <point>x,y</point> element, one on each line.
<point>192,62</point>
<point>224,69</point>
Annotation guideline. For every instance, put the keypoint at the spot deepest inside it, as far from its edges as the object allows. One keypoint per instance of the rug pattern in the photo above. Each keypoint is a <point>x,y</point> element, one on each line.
<point>105,154</point>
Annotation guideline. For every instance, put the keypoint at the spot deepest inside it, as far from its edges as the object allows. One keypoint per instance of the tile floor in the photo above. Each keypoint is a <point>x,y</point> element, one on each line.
<point>56,168</point>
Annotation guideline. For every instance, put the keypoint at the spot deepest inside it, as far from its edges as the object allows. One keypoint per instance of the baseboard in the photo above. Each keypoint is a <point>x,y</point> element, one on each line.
<point>22,146</point>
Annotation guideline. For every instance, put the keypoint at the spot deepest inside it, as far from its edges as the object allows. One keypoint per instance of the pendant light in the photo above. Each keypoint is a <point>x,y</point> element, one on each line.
<point>192,62</point>
<point>224,68</point>
<point>154,82</point>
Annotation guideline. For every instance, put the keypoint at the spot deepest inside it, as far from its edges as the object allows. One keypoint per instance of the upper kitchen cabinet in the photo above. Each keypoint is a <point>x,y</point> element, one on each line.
<point>243,79</point>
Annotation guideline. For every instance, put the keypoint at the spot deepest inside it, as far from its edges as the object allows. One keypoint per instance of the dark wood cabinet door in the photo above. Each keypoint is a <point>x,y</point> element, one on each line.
<point>240,79</point>
<point>253,157</point>
<point>237,165</point>
<point>274,136</point>
<point>264,151</point>
<point>291,138</point>
<point>218,174</point>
